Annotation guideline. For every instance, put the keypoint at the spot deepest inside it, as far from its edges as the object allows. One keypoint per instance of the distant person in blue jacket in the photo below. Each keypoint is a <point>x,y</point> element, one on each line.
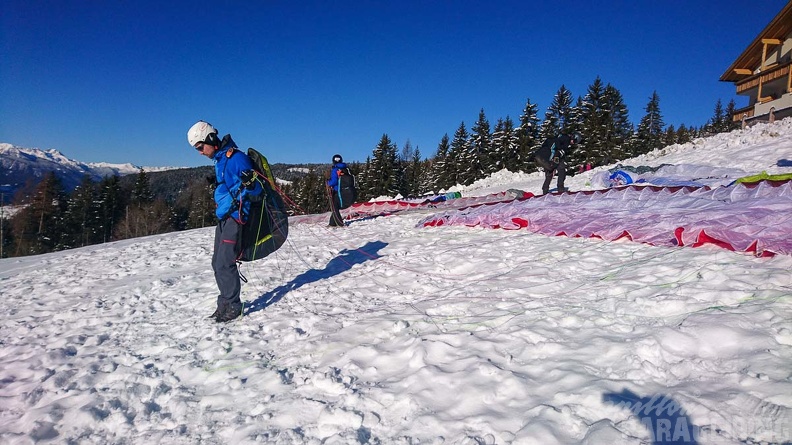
<point>235,188</point>
<point>334,184</point>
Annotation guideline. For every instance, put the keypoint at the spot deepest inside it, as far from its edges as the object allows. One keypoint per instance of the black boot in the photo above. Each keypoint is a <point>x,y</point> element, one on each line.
<point>231,312</point>
<point>218,310</point>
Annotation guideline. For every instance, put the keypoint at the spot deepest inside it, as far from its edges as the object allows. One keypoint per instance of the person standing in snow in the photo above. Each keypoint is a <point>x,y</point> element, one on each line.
<point>334,184</point>
<point>551,158</point>
<point>236,188</point>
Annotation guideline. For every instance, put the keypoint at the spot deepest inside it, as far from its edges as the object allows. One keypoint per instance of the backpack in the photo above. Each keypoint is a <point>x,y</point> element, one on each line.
<point>545,153</point>
<point>267,226</point>
<point>347,188</point>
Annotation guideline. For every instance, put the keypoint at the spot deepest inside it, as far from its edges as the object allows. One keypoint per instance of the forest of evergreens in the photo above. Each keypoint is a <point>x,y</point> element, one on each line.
<point>145,204</point>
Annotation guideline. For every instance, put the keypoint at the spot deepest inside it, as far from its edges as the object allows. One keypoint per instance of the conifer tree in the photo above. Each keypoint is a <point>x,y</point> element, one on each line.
<point>141,193</point>
<point>384,172</point>
<point>364,182</point>
<point>479,157</point>
<point>557,116</point>
<point>460,146</point>
<point>146,214</point>
<point>413,172</point>
<point>618,126</point>
<point>440,177</point>
<point>497,152</point>
<point>406,187</point>
<point>717,124</point>
<point>669,137</point>
<point>594,126</point>
<point>311,192</point>
<point>38,229</point>
<point>426,179</point>
<point>81,220</point>
<point>111,207</point>
<point>527,136</point>
<point>649,134</point>
<point>505,146</point>
<point>731,124</point>
<point>199,205</point>
<point>683,135</point>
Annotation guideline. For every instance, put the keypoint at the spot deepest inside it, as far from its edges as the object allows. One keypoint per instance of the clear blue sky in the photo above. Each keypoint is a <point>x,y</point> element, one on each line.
<point>118,81</point>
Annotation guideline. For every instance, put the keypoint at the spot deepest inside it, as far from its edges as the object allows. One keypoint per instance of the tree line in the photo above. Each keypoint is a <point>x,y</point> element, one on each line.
<point>115,209</point>
<point>475,152</point>
<point>52,219</point>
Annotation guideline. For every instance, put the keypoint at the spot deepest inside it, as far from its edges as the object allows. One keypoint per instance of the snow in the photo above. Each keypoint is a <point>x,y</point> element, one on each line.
<point>388,332</point>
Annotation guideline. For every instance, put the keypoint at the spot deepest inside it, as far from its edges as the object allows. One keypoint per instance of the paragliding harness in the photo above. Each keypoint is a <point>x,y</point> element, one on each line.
<point>267,226</point>
<point>546,156</point>
<point>347,188</point>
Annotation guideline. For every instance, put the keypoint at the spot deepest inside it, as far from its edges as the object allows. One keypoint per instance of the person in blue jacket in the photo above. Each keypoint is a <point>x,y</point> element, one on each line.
<point>236,188</point>
<point>333,183</point>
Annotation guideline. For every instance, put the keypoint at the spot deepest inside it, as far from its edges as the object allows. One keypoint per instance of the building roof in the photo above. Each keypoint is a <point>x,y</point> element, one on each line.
<point>751,58</point>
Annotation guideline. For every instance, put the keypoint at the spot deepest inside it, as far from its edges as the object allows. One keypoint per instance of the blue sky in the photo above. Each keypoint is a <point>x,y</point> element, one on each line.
<point>105,81</point>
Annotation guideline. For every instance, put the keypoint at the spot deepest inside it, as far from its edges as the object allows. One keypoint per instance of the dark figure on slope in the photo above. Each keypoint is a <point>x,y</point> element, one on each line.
<point>236,188</point>
<point>343,190</point>
<point>551,156</point>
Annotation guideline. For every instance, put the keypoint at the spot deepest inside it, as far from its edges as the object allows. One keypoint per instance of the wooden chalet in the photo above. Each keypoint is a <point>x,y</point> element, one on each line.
<point>762,72</point>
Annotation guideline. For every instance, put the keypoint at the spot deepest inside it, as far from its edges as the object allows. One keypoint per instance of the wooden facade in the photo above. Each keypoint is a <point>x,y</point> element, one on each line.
<point>763,72</point>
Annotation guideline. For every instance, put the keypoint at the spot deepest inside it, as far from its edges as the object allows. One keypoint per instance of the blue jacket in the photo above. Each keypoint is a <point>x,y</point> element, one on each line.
<point>230,196</point>
<point>333,181</point>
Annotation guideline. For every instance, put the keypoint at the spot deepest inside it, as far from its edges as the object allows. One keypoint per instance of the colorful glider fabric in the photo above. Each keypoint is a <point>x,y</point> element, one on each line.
<point>755,217</point>
<point>362,210</point>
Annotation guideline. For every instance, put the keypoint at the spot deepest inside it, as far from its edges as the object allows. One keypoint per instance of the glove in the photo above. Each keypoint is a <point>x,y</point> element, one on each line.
<point>248,178</point>
<point>556,160</point>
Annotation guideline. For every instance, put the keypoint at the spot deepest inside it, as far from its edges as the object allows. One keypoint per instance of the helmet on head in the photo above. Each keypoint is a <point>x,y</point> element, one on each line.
<point>577,137</point>
<point>202,132</point>
<point>337,159</point>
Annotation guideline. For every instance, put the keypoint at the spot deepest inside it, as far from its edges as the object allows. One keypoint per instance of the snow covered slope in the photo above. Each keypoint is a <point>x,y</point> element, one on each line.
<point>388,333</point>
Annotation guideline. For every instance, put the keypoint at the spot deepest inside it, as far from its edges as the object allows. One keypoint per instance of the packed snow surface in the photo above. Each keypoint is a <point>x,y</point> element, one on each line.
<point>387,332</point>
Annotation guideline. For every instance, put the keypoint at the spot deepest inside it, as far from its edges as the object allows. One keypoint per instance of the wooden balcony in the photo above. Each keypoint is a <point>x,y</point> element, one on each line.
<point>768,75</point>
<point>747,111</point>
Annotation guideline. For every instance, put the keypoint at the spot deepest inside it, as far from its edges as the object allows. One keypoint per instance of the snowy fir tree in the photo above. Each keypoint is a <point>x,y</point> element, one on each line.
<point>39,228</point>
<point>479,159</point>
<point>440,177</point>
<point>505,147</point>
<point>527,136</point>
<point>557,116</point>
<point>384,172</point>
<point>111,206</point>
<point>460,146</point>
<point>649,134</point>
<point>82,216</point>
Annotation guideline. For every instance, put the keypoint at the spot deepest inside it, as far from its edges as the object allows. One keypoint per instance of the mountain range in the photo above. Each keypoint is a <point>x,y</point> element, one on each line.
<point>22,164</point>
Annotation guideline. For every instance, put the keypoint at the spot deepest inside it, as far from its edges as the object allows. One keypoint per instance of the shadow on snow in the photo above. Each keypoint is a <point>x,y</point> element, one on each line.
<point>666,420</point>
<point>340,264</point>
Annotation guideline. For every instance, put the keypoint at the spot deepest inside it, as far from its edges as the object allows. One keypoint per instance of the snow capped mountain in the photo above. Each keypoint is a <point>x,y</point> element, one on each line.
<point>21,164</point>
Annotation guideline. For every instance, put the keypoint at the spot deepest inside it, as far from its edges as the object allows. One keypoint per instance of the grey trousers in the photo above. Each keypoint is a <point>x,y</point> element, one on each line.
<point>226,251</point>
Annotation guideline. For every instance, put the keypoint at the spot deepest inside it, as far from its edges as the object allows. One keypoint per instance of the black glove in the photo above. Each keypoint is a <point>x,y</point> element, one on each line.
<point>211,181</point>
<point>248,178</point>
<point>556,160</point>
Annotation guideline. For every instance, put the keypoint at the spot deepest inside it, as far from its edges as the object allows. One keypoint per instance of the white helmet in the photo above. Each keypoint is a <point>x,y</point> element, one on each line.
<point>200,132</point>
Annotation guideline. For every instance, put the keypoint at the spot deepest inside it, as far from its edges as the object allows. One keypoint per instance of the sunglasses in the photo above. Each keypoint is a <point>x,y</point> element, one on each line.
<point>200,146</point>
